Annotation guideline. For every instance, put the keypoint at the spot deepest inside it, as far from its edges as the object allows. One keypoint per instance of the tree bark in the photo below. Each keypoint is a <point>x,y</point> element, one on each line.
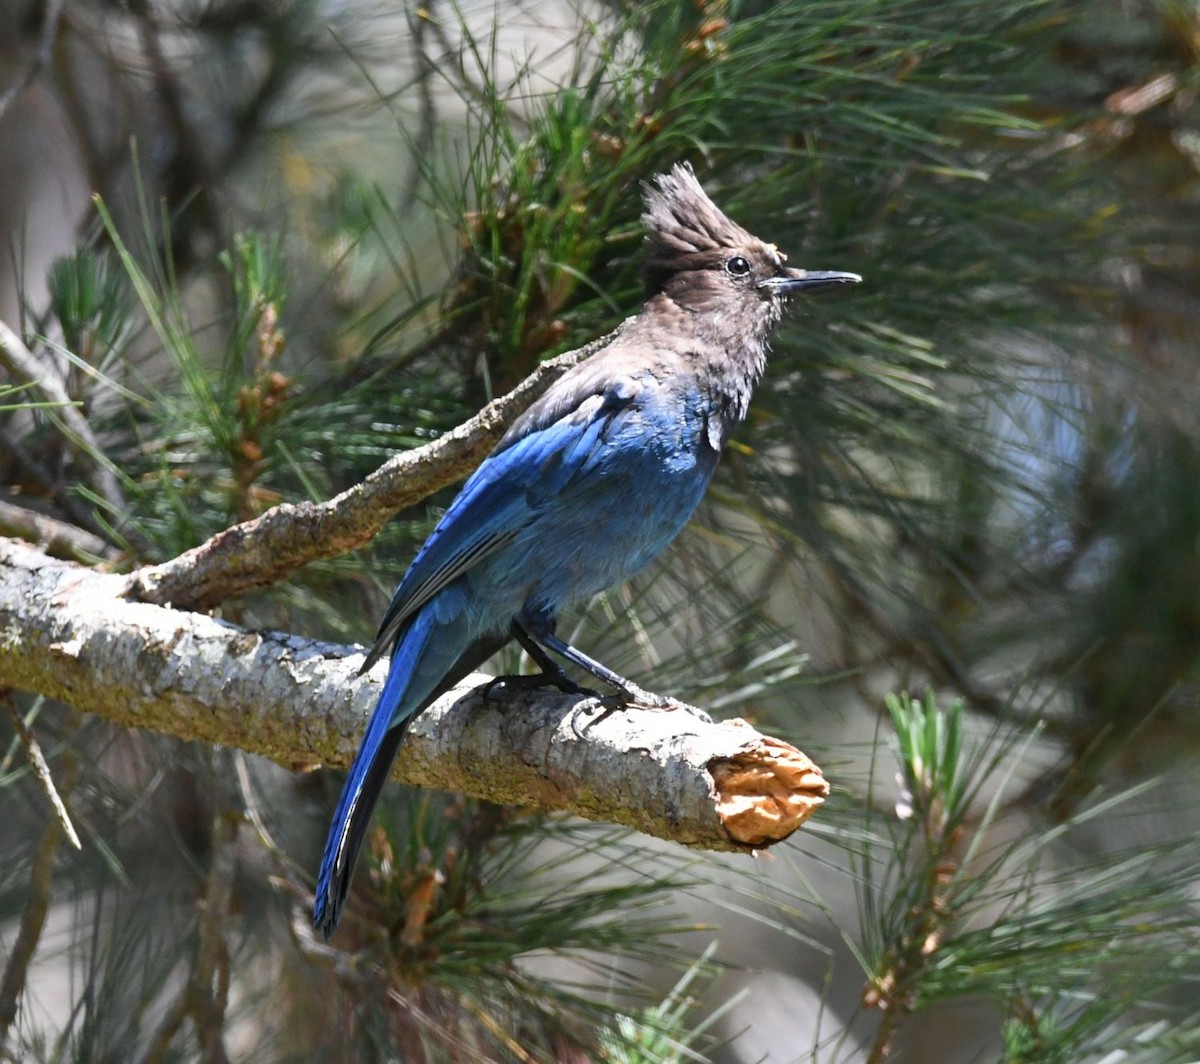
<point>73,634</point>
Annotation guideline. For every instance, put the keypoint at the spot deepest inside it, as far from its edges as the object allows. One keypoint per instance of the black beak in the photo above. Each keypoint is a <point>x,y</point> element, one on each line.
<point>788,281</point>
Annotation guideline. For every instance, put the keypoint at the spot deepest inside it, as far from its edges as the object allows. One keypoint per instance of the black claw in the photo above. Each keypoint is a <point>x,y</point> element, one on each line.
<point>608,705</point>
<point>489,691</point>
<point>577,729</point>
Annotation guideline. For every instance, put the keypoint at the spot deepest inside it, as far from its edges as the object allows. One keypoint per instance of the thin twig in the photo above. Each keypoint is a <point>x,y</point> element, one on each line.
<point>250,806</point>
<point>351,970</point>
<point>33,919</point>
<point>423,141</point>
<point>22,364</point>
<point>208,989</point>
<point>40,59</point>
<point>191,164</point>
<point>39,479</point>
<point>287,877</point>
<point>42,770</point>
<point>57,538</point>
<point>168,1028</point>
<point>205,997</point>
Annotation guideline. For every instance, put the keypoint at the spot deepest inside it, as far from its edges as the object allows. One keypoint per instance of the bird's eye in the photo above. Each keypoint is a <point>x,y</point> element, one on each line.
<point>738,266</point>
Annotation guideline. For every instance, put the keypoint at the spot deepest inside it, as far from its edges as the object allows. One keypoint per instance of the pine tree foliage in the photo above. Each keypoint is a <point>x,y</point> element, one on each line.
<point>327,232</point>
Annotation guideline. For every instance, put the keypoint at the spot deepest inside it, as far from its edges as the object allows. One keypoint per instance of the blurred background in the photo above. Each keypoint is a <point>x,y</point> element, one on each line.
<point>327,230</point>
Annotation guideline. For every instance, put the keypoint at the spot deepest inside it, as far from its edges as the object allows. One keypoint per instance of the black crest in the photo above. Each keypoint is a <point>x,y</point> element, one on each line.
<point>685,230</point>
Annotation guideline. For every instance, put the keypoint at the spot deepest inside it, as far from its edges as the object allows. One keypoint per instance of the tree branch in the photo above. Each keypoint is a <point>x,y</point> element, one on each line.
<point>57,538</point>
<point>69,633</point>
<point>287,537</point>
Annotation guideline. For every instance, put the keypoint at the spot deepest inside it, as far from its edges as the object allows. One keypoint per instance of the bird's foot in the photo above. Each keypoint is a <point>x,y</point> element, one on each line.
<point>628,696</point>
<point>632,695</point>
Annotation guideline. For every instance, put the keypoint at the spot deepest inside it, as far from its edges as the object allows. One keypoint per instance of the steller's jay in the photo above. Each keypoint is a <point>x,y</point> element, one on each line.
<point>588,485</point>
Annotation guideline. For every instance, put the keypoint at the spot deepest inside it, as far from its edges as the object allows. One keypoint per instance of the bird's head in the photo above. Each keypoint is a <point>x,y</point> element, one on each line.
<point>703,261</point>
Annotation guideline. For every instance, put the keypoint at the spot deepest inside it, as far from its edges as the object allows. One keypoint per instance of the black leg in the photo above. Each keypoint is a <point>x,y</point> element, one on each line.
<point>552,674</point>
<point>551,670</point>
<point>628,693</point>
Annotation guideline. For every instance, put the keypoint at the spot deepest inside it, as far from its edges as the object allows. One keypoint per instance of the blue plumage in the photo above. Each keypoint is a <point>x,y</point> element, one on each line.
<point>592,482</point>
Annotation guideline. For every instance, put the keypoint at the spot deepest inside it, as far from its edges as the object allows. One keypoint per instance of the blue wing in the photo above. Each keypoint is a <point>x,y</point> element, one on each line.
<point>552,446</point>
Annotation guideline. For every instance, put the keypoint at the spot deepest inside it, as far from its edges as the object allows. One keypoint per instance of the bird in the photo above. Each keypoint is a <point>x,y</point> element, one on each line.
<point>585,488</point>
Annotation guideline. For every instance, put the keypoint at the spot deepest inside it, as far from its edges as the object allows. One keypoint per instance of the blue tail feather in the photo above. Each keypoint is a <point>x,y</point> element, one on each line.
<point>372,765</point>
